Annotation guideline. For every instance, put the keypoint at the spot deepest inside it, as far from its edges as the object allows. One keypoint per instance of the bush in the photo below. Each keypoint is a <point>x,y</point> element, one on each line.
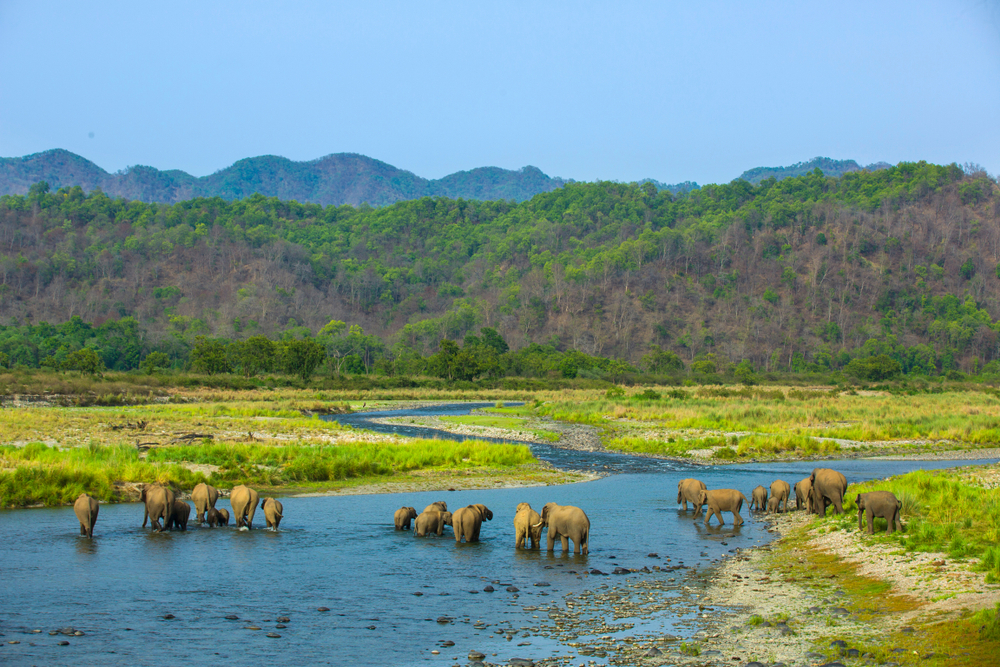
<point>874,369</point>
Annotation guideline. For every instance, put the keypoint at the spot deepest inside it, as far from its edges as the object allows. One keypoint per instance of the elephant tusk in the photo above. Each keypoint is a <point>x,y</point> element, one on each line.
<point>536,525</point>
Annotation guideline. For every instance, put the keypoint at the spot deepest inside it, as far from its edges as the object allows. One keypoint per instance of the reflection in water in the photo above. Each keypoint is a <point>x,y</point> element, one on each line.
<point>385,589</point>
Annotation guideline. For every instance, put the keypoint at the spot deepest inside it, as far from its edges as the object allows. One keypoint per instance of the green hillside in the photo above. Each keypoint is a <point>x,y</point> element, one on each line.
<point>805,273</point>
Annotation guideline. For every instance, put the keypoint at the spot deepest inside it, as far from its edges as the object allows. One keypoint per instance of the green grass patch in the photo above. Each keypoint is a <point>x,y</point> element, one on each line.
<point>941,513</point>
<point>487,421</point>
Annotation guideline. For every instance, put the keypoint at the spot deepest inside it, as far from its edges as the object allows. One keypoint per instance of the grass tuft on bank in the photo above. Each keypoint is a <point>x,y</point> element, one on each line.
<point>38,474</point>
<point>942,512</point>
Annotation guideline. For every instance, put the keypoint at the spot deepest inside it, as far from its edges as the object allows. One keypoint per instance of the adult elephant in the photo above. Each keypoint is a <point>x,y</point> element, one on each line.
<point>723,500</point>
<point>802,488</point>
<point>689,490</point>
<point>758,498</point>
<point>203,496</point>
<point>439,506</point>
<point>781,490</point>
<point>882,504</point>
<point>273,512</point>
<point>527,527</point>
<point>467,521</point>
<point>159,504</point>
<point>244,501</point>
<point>86,508</point>
<point>828,487</point>
<point>567,523</point>
<point>403,516</point>
<point>432,522</point>
<point>180,514</point>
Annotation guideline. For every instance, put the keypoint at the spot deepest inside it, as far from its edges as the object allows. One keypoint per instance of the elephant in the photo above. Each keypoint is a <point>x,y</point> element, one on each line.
<point>758,498</point>
<point>723,500</point>
<point>86,509</point>
<point>432,522</point>
<point>567,523</point>
<point>159,502</point>
<point>688,489</point>
<point>828,487</point>
<point>403,516</point>
<point>882,504</point>
<point>466,521</point>
<point>180,514</point>
<point>204,496</point>
<point>527,527</point>
<point>802,488</point>
<point>244,501</point>
<point>217,517</point>
<point>439,506</point>
<point>273,512</point>
<point>773,505</point>
<point>781,490</point>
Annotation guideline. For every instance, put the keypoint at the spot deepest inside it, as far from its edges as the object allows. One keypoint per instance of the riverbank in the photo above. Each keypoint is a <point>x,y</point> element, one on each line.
<point>820,594</point>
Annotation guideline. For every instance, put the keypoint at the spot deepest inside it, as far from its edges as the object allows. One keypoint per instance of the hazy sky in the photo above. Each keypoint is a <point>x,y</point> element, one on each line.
<point>624,90</point>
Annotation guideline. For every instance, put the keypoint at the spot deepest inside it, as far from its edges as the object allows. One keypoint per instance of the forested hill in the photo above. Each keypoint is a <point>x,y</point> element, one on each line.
<point>826,165</point>
<point>344,178</point>
<point>806,272</point>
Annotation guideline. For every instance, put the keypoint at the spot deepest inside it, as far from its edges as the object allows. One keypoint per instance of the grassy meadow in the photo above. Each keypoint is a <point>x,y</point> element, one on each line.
<point>54,447</point>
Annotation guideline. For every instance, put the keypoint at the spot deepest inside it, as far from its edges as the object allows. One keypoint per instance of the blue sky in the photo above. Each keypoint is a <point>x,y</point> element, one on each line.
<point>623,91</point>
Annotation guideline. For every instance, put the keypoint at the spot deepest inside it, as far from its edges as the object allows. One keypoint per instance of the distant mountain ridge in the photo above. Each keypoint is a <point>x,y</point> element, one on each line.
<point>341,178</point>
<point>828,166</point>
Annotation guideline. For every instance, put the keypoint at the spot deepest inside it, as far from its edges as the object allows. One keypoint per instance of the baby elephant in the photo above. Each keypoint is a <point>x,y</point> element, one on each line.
<point>403,516</point>
<point>773,505</point>
<point>181,513</point>
<point>758,498</point>
<point>217,517</point>
<point>272,512</point>
<point>879,504</point>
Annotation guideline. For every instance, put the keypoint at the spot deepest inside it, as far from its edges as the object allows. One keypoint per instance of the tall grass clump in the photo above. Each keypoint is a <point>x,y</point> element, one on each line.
<point>37,474</point>
<point>941,513</point>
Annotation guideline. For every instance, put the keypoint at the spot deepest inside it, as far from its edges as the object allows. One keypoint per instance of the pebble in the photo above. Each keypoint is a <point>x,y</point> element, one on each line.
<point>323,609</point>
<point>283,619</point>
<point>838,642</point>
<point>78,633</point>
<point>444,619</point>
<point>53,632</point>
<point>418,594</point>
<point>476,655</point>
<point>35,632</point>
<point>252,627</point>
<point>435,652</point>
<point>513,589</point>
<point>64,643</point>
<point>520,662</point>
<point>488,589</point>
<point>232,617</point>
<point>447,643</point>
<point>653,652</point>
<point>273,635</point>
<point>755,664</point>
<point>542,583</point>
<point>14,641</point>
<point>596,571</point>
<point>168,617</point>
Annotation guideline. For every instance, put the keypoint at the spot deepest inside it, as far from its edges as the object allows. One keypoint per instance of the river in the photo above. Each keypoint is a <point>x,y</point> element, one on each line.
<point>392,599</point>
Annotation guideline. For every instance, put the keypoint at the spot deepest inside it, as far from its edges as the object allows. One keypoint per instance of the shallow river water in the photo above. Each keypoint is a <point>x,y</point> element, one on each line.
<point>341,552</point>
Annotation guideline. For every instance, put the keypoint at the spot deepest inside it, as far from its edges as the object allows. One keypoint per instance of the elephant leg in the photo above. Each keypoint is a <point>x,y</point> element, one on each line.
<point>898,523</point>
<point>870,518</point>
<point>565,543</point>
<point>83,529</point>
<point>552,540</point>
<point>519,543</point>
<point>737,519</point>
<point>576,545</point>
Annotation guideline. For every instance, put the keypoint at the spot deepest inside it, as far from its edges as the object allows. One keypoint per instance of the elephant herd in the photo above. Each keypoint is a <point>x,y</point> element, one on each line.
<point>164,510</point>
<point>566,522</point>
<point>824,487</point>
